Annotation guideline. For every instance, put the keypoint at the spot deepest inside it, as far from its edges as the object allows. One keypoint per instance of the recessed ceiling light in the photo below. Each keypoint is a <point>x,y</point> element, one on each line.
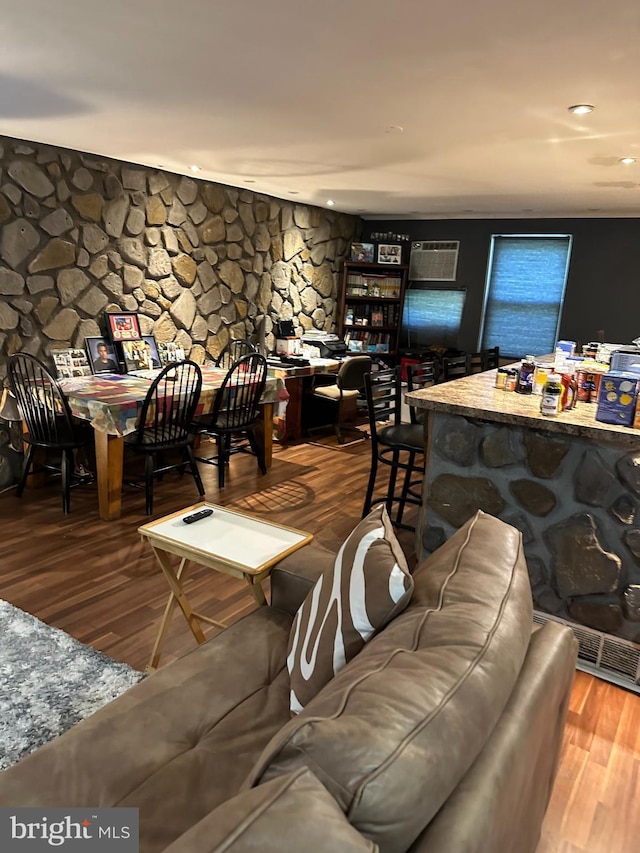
<point>195,168</point>
<point>581,109</point>
<point>330,202</point>
<point>395,128</point>
<point>627,160</point>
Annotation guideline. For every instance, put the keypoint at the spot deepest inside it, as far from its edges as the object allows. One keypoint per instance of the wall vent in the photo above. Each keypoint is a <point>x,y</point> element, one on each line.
<point>610,658</point>
<point>434,260</point>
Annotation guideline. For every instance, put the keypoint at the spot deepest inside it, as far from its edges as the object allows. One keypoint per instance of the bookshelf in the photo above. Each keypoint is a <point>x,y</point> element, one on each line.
<point>371,302</point>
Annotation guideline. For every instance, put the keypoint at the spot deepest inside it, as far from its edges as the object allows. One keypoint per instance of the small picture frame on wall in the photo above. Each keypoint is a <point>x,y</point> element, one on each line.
<point>389,253</point>
<point>101,356</point>
<point>123,326</point>
<point>363,252</point>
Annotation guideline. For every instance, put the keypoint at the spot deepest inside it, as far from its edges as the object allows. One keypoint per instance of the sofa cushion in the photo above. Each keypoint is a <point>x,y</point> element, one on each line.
<point>394,732</point>
<point>292,813</point>
<point>178,743</point>
<point>366,586</point>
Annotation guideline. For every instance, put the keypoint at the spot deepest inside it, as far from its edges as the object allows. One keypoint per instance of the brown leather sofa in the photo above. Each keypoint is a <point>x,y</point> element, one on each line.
<point>441,736</point>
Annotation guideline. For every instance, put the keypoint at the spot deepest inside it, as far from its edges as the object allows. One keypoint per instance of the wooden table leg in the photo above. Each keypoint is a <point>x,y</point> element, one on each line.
<point>164,624</point>
<point>293,411</point>
<point>177,591</point>
<point>256,589</point>
<point>265,432</point>
<point>109,458</point>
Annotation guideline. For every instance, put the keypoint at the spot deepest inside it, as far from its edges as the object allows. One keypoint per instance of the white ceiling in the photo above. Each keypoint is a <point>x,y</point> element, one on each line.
<point>305,98</point>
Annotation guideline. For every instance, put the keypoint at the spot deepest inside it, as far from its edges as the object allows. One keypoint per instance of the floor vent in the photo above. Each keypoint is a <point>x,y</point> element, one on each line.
<point>610,658</point>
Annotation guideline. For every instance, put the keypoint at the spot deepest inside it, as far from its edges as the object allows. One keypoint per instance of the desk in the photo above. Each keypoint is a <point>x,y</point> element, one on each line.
<point>289,424</point>
<point>111,402</point>
<point>229,542</point>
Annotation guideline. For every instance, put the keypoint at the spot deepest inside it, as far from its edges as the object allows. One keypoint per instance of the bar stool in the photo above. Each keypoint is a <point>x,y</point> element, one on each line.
<point>455,367</point>
<point>398,445</point>
<point>422,375</point>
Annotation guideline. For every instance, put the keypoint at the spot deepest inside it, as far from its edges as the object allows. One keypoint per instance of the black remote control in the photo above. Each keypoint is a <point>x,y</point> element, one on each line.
<point>204,513</point>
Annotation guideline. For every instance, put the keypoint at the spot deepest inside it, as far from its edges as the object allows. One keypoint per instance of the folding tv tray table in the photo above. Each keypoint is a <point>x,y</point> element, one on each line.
<point>227,541</point>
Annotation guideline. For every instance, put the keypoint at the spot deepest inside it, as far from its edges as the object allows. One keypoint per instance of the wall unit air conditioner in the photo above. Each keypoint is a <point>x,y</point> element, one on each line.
<point>434,260</point>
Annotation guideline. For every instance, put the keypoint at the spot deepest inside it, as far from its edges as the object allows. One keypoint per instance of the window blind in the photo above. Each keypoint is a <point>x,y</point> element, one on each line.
<point>431,316</point>
<point>526,284</point>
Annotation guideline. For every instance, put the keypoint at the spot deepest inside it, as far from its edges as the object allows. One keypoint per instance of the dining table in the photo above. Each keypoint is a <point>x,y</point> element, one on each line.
<point>111,402</point>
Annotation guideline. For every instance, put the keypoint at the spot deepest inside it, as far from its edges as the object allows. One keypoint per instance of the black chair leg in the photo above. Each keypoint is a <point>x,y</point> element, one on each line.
<point>222,458</point>
<point>66,465</point>
<point>194,470</point>
<point>148,482</point>
<point>25,470</point>
<point>395,458</point>
<point>257,449</point>
<point>371,485</point>
<point>406,482</point>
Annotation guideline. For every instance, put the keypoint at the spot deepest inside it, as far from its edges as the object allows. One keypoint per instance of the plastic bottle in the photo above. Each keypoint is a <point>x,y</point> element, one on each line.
<point>525,379</point>
<point>551,402</point>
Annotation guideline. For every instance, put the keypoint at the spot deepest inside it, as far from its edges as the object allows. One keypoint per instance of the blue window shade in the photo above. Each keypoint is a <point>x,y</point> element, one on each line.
<point>526,287</point>
<point>431,317</point>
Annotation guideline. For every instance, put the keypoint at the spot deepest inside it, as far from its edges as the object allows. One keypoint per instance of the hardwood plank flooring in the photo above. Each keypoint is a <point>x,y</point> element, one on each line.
<point>99,582</point>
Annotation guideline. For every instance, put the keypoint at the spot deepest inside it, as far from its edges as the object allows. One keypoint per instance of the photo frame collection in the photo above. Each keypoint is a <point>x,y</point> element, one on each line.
<point>123,349</point>
<point>377,253</point>
<point>70,362</point>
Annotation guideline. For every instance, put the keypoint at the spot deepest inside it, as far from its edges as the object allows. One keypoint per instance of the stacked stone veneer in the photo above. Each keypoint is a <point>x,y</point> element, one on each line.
<point>576,501</point>
<point>201,263</point>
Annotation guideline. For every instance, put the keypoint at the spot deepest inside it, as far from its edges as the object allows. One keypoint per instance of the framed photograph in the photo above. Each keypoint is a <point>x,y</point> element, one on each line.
<point>70,362</point>
<point>123,326</point>
<point>389,253</point>
<point>101,355</point>
<point>151,349</point>
<point>364,252</point>
<point>170,352</point>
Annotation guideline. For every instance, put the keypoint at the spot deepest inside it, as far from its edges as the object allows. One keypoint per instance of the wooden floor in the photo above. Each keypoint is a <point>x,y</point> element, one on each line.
<point>98,582</point>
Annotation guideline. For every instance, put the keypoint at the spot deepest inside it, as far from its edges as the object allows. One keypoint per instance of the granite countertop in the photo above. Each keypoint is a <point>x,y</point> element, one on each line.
<point>477,397</point>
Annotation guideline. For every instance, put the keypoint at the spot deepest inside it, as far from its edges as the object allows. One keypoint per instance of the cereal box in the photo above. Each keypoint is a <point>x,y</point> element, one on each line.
<point>617,398</point>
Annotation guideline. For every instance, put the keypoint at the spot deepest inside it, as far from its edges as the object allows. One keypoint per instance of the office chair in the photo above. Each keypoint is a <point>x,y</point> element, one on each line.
<point>165,423</point>
<point>236,411</point>
<point>455,367</point>
<point>400,446</point>
<point>422,375</point>
<point>50,425</point>
<point>233,351</point>
<point>347,384</point>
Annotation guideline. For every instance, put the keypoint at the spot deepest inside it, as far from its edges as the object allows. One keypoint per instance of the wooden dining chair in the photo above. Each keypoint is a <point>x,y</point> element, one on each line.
<point>50,424</point>
<point>165,425</point>
<point>236,413</point>
<point>233,351</point>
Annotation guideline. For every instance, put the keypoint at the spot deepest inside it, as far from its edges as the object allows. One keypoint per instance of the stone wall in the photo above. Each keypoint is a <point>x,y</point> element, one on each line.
<point>576,501</point>
<point>200,262</point>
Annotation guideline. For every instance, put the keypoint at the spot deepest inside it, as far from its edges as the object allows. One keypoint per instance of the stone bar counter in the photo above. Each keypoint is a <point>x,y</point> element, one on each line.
<point>570,483</point>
